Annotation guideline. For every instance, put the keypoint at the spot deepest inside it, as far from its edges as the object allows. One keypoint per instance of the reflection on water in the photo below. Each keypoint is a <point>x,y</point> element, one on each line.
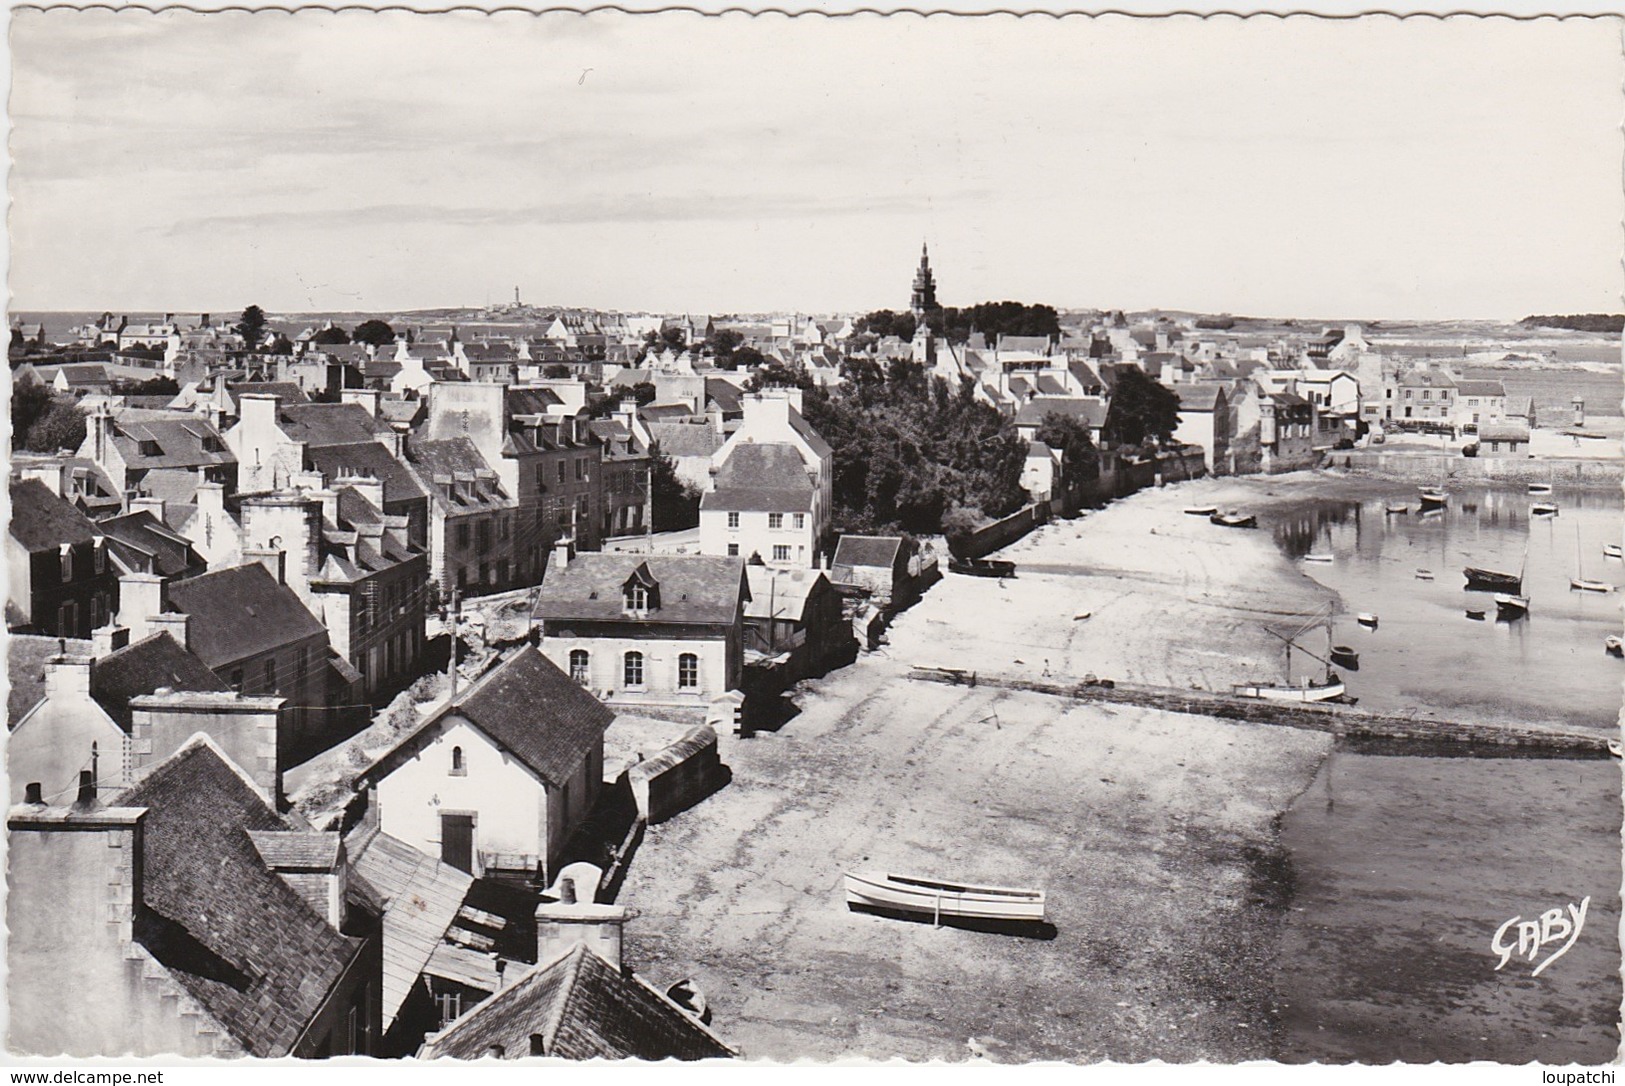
<point>1426,654</point>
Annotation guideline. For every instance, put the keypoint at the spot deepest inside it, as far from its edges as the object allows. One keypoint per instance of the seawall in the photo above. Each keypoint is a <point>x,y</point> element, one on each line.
<point>1434,467</point>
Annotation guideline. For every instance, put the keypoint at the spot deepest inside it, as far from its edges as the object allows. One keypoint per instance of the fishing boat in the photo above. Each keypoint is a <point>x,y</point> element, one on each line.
<point>1432,498</point>
<point>942,900</point>
<point>1476,614</point>
<point>1613,550</point>
<point>982,567</point>
<point>1318,557</point>
<point>1397,510</point>
<point>1542,509</point>
<point>1201,510</point>
<point>1492,580</point>
<point>1579,580</point>
<point>1613,645</point>
<point>1540,488</point>
<point>1233,520</point>
<point>1329,688</point>
<point>1508,606</point>
<point>1424,575</point>
<point>1366,618</point>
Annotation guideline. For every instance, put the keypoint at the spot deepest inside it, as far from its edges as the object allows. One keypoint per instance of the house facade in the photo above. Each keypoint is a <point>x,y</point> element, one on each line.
<point>763,506</point>
<point>60,581</point>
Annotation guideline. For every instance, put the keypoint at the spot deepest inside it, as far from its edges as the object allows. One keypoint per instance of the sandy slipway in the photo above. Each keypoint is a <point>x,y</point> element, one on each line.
<point>1153,833</point>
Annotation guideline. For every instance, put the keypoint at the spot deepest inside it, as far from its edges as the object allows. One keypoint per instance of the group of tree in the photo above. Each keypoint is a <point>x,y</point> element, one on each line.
<point>42,421</point>
<point>1611,323</point>
<point>992,319</point>
<point>673,504</point>
<point>1142,414</point>
<point>257,333</point>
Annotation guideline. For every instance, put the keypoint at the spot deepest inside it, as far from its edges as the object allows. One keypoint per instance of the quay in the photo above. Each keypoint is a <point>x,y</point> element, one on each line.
<point>1382,731</point>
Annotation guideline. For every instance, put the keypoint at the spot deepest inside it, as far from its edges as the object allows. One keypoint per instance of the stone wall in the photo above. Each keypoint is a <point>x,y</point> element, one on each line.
<point>1434,468</point>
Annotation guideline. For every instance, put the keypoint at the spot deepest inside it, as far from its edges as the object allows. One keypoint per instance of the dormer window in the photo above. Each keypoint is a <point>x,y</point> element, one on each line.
<point>637,598</point>
<point>641,592</point>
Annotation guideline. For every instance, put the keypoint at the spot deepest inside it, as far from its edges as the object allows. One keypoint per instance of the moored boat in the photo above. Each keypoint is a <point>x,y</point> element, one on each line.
<point>1432,497</point>
<point>1615,749</point>
<point>1492,580</point>
<point>1233,520</point>
<point>1318,557</point>
<point>1590,586</point>
<point>1424,575</point>
<point>1201,510</point>
<point>1613,550</point>
<point>1510,606</point>
<point>1542,509</point>
<point>1330,690</point>
<point>1540,488</point>
<point>982,567</point>
<point>1345,656</point>
<point>1366,618</point>
<point>1614,645</point>
<point>1397,509</point>
<point>939,899</point>
<point>1476,614</point>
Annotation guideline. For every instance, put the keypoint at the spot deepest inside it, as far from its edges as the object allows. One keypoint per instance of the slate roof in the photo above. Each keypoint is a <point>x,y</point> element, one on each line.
<point>454,456</point>
<point>176,486</point>
<point>1198,397</point>
<point>180,443</point>
<point>1050,386</point>
<point>302,850</point>
<point>233,934</point>
<point>583,1008</point>
<point>144,666</point>
<point>1092,412</point>
<point>421,896</point>
<point>26,656</point>
<point>41,521</point>
<point>820,447</point>
<point>287,391</point>
<point>725,394</point>
<point>879,551</point>
<point>685,438</point>
<point>694,588</point>
<point>530,708</point>
<point>368,458</point>
<point>1034,344</point>
<point>1503,431</point>
<point>140,535</point>
<point>1426,379</point>
<point>323,424</point>
<point>1480,388</point>
<point>761,478</point>
<point>240,612</point>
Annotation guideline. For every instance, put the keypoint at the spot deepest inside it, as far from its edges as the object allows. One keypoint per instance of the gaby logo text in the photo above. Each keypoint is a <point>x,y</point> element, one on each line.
<point>1526,938</point>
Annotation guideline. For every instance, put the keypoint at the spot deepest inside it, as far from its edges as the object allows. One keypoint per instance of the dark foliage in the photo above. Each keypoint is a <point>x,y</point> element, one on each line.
<point>252,326</point>
<point>61,426</point>
<point>330,336</point>
<point>1222,324</point>
<point>779,375</point>
<point>674,505</point>
<point>156,386</point>
<point>555,370</point>
<point>1141,412</point>
<point>30,399</point>
<point>1080,460</point>
<point>722,343</point>
<point>375,332</point>
<point>1611,323</point>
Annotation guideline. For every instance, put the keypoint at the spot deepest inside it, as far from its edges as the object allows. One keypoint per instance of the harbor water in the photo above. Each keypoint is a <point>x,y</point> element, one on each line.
<point>1405,868</point>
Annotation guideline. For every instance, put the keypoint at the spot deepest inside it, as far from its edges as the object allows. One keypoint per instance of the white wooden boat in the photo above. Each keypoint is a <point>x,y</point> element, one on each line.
<point>1397,509</point>
<point>939,899</point>
<point>1201,510</point>
<point>1590,586</point>
<point>1540,488</point>
<point>1305,691</point>
<point>1476,614</point>
<point>1424,575</point>
<point>1614,645</point>
<point>1613,550</point>
<point>1366,618</point>
<point>1318,557</point>
<point>1580,580</point>
<point>1432,497</point>
<point>1542,509</point>
<point>1615,749</point>
<point>1509,606</point>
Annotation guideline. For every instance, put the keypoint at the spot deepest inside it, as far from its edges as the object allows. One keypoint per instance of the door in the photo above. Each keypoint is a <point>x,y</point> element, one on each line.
<point>457,841</point>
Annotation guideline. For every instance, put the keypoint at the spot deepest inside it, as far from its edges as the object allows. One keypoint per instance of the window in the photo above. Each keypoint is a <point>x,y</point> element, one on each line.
<point>67,562</point>
<point>459,768</point>
<point>688,672</point>
<point>270,674</point>
<point>581,469</point>
<point>67,618</point>
<point>781,552</point>
<point>301,662</point>
<point>775,521</point>
<point>464,534</point>
<point>1407,393</point>
<point>237,680</point>
<point>538,1047</point>
<point>482,535</point>
<point>733,520</point>
<point>561,471</point>
<point>541,478</point>
<point>450,1006</point>
<point>633,673</point>
<point>637,598</point>
<point>502,527</point>
<point>733,550</point>
<point>100,553</point>
<point>583,507</point>
<point>1427,394</point>
<point>580,660</point>
<point>800,521</point>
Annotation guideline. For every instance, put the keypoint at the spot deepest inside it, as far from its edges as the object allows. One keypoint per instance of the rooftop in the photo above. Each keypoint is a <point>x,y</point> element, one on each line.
<point>700,589</point>
<point>241,612</point>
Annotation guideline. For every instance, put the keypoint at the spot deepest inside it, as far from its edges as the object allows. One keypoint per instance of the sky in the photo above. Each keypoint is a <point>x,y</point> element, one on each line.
<point>1369,169</point>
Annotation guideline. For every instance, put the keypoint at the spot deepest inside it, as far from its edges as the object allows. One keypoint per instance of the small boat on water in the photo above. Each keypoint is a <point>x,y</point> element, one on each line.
<point>1233,520</point>
<point>939,899</point>
<point>1615,749</point>
<point>1589,586</point>
<point>1540,488</point>
<point>1509,606</point>
<point>1398,510</point>
<point>1492,580</point>
<point>982,567</point>
<point>1330,690</point>
<point>1613,550</point>
<point>1613,645</point>
<point>1432,497</point>
<point>1318,557</point>
<point>1424,575</point>
<point>1542,509</point>
<point>1476,614</point>
<point>1345,656</point>
<point>1201,510</point>
<point>1366,618</point>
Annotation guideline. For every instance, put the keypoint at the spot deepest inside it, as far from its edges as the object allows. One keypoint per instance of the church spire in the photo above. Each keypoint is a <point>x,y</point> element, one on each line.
<point>924,298</point>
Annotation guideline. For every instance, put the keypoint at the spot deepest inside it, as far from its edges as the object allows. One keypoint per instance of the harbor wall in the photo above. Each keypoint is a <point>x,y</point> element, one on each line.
<point>1434,467</point>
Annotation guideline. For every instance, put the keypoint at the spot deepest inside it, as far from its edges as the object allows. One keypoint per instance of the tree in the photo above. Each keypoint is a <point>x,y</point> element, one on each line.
<point>779,375</point>
<point>281,344</point>
<point>375,332</point>
<point>156,386</point>
<point>722,343</point>
<point>252,326</point>
<point>329,336</point>
<point>30,399</point>
<point>62,426</point>
<point>1142,411</point>
<point>556,370</point>
<point>673,338</point>
<point>883,322</point>
<point>674,505</point>
<point>1080,460</point>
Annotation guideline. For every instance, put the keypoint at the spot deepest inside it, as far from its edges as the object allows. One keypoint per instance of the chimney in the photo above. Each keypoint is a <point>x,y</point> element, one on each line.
<point>562,553</point>
<point>153,505</point>
<point>312,864</point>
<point>85,800</point>
<point>32,794</point>
<point>366,397</point>
<point>108,640</point>
<point>141,595</point>
<point>365,485</point>
<point>274,561</point>
<point>566,923</point>
<point>244,727</point>
<point>290,523</point>
<point>101,430</point>
<point>174,624</point>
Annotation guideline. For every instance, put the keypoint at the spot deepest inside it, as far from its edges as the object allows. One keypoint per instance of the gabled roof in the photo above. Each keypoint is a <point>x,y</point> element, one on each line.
<point>180,443</point>
<point>1426,379</point>
<point>237,937</point>
<point>725,394</point>
<point>367,458</point>
<point>781,594</point>
<point>685,438</point>
<point>761,478</point>
<point>582,1008</point>
<point>694,588</point>
<point>526,705</point>
<point>143,534</point>
<point>26,657</point>
<point>287,391</point>
<point>1503,431</point>
<point>1092,412</point>
<point>801,426</point>
<point>1199,397</point>
<point>240,612</point>
<point>1480,388</point>
<point>879,551</point>
<point>1033,344</point>
<point>41,521</point>
<point>142,668</point>
<point>322,424</point>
